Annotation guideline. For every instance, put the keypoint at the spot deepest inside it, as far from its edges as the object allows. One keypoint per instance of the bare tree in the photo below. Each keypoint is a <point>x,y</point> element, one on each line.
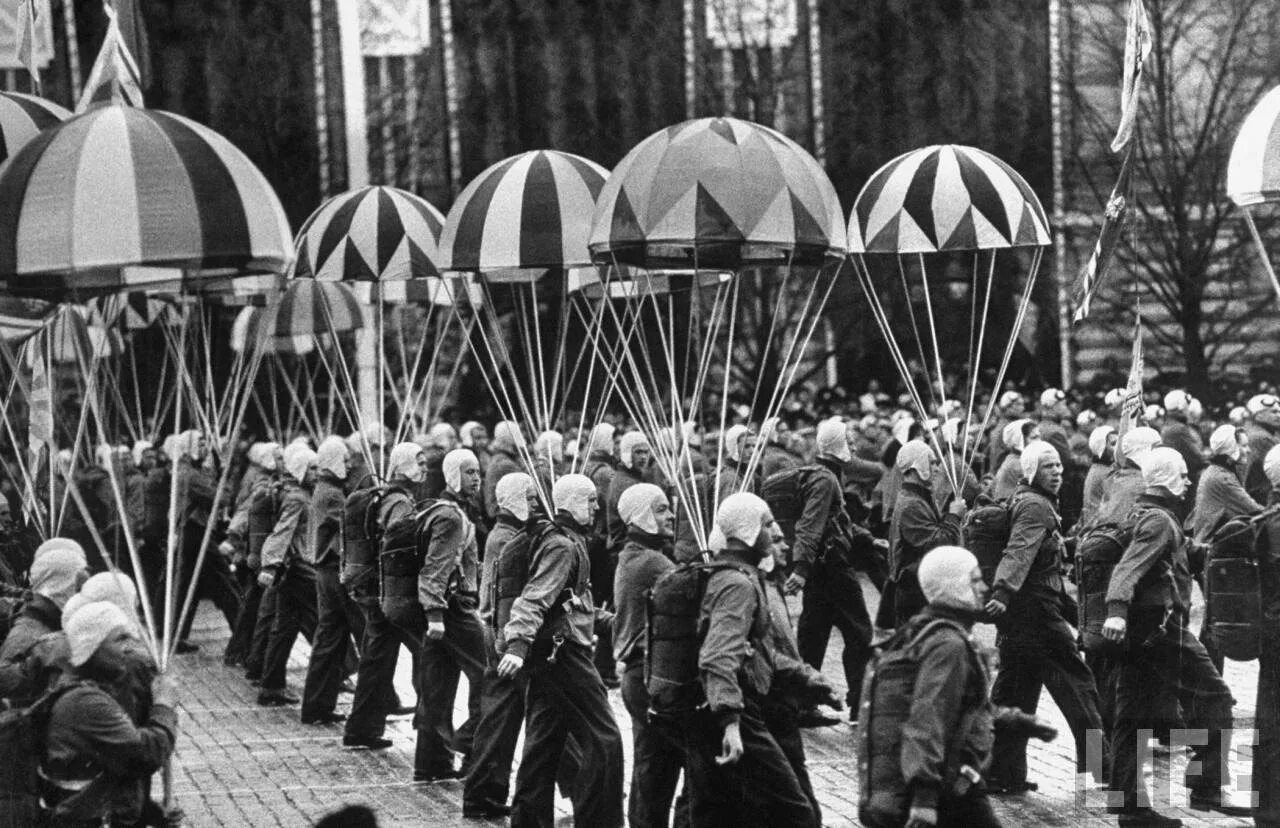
<point>1187,252</point>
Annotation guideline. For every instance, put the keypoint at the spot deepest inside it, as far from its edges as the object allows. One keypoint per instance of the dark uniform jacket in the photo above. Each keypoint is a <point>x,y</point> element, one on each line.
<point>641,563</point>
<point>1120,491</point>
<point>291,542</point>
<point>450,563</point>
<point>823,496</point>
<point>918,526</point>
<point>501,464</point>
<point>1155,571</point>
<point>38,618</point>
<point>1188,442</point>
<point>734,660</point>
<point>505,527</point>
<point>1220,496</point>
<point>1031,567</point>
<point>1269,570</point>
<point>556,601</point>
<point>624,477</point>
<point>328,504</point>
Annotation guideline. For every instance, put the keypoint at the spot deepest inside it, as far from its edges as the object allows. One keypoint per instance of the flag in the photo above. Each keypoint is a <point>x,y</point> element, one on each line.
<point>1131,407</point>
<point>1137,45</point>
<point>27,16</point>
<point>133,33</point>
<point>1113,222</point>
<point>40,417</point>
<point>114,76</point>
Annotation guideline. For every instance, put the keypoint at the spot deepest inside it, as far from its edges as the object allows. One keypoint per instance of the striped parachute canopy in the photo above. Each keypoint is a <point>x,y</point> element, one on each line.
<point>930,225</point>
<point>307,309</point>
<point>134,311</point>
<point>946,198</point>
<point>530,212</point>
<point>1253,172</point>
<point>720,194</point>
<point>69,336</point>
<point>22,117</point>
<point>373,234</point>
<point>120,198</point>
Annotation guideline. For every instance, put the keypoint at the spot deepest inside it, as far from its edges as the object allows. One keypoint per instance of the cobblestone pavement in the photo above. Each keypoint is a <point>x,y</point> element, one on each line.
<point>241,765</point>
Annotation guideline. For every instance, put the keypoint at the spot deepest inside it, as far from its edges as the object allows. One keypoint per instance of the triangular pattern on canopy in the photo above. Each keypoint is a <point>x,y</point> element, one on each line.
<point>373,234</point>
<point>717,192</point>
<point>946,198</point>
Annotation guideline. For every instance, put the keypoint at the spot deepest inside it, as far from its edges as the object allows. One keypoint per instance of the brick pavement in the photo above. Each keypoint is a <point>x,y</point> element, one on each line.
<point>242,765</point>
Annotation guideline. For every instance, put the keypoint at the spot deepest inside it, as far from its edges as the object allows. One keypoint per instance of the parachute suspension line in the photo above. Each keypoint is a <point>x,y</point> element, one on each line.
<point>276,421</point>
<point>339,372</point>
<point>775,316</point>
<point>1036,259</point>
<point>310,370</point>
<point>528,311</point>
<point>589,323</point>
<point>408,421</point>
<point>724,393</point>
<point>1262,249</point>
<point>238,404</point>
<point>82,427</point>
<point>171,542</point>
<point>966,456</point>
<point>948,458</point>
<point>300,414</point>
<point>25,463</point>
<point>560,382</point>
<point>791,363</point>
<point>137,388</point>
<point>915,330</point>
<point>895,351</point>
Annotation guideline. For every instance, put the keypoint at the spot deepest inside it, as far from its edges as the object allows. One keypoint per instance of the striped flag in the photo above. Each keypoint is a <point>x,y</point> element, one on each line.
<point>1113,222</point>
<point>115,75</point>
<point>1137,45</point>
<point>27,17</point>
<point>1131,407</point>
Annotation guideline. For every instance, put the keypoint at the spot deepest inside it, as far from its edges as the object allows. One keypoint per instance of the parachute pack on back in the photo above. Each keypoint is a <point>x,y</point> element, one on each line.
<point>1098,551</point>
<point>888,688</point>
<point>362,542</point>
<point>511,574</point>
<point>985,533</point>
<point>674,634</point>
<point>22,742</point>
<point>1233,590</point>
<point>264,510</point>
<point>784,492</point>
<point>401,558</point>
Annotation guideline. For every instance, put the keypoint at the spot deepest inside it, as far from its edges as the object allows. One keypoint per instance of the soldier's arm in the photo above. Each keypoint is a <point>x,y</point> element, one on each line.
<point>275,549</point>
<point>549,573</point>
<point>439,561</point>
<point>1150,536</point>
<point>1031,522</point>
<point>920,528</point>
<point>730,606</point>
<point>935,714</point>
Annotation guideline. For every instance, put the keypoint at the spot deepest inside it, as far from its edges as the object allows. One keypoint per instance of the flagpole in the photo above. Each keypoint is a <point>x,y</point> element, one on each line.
<point>322,95</point>
<point>73,49</point>
<point>1059,196</point>
<point>690,61</point>
<point>816,113</point>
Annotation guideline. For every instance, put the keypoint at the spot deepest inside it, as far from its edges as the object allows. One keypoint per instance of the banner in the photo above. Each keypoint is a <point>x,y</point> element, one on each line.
<point>13,16</point>
<point>394,28</point>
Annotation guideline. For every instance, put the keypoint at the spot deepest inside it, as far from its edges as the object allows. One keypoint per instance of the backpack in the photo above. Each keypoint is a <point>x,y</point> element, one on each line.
<point>511,573</point>
<point>362,542</point>
<point>674,634</point>
<point>1098,550</point>
<point>264,510</point>
<point>985,533</point>
<point>401,556</point>
<point>22,740</point>
<point>888,689</point>
<point>1233,590</point>
<point>783,491</point>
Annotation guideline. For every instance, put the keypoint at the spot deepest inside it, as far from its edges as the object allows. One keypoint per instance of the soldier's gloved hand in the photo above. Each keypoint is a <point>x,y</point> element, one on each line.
<point>922,817</point>
<point>825,693</point>
<point>731,745</point>
<point>1042,730</point>
<point>226,548</point>
<point>266,576</point>
<point>794,583</point>
<point>1016,723</point>
<point>510,665</point>
<point>958,507</point>
<point>1114,628</point>
<point>995,608</point>
<point>164,691</point>
<point>435,630</point>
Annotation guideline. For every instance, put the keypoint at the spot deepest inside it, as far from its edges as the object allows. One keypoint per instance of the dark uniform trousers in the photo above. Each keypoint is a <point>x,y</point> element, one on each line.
<point>782,717</point>
<point>1038,651</point>
<point>973,810</point>
<point>214,580</point>
<point>760,789</point>
<point>264,619</point>
<point>375,696</point>
<point>338,619</point>
<point>242,633</point>
<point>295,613</point>
<point>833,598</point>
<point>657,758</point>
<point>494,745</point>
<point>442,663</point>
<point>567,698</point>
<point>1176,660</point>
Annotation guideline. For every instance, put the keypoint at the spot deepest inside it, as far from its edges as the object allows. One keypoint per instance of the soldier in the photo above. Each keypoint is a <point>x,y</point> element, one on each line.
<point>375,697</point>
<point>1220,496</point>
<point>1015,435</point>
<point>917,526</point>
<point>645,558</point>
<point>1148,599</point>
<point>730,751</point>
<point>550,637</point>
<point>1102,448</point>
<point>604,560</point>
<point>739,446</point>
<point>439,441</point>
<point>1122,486</point>
<point>822,569</point>
<point>337,616</point>
<point>448,592</point>
<point>1266,756</point>
<point>634,455</point>
<point>288,567</point>
<point>504,458</point>
<point>1031,610</point>
<point>1178,434</point>
<point>778,454</point>
<point>502,700</point>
